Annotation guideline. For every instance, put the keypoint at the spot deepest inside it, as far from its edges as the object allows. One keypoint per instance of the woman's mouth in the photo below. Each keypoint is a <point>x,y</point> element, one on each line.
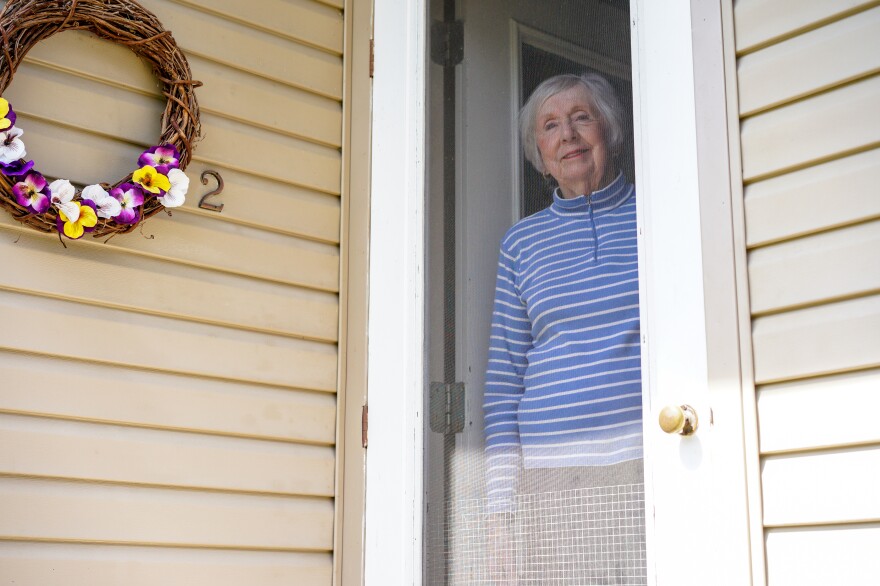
<point>574,154</point>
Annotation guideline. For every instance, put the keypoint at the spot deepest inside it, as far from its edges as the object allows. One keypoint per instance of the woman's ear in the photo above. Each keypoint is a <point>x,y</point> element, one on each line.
<point>542,169</point>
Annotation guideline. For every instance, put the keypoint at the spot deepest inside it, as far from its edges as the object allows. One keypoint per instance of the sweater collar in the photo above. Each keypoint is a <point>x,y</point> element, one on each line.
<point>602,201</point>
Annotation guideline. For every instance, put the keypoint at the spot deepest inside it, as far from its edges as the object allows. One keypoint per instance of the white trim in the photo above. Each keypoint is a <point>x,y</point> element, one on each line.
<point>699,535</point>
<point>393,538</point>
<point>749,394</point>
<point>723,283</point>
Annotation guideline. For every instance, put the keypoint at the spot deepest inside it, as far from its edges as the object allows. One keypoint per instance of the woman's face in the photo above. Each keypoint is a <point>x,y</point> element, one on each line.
<point>571,141</point>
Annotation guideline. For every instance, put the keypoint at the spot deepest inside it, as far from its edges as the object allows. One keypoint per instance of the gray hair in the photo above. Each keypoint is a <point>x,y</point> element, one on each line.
<point>604,99</point>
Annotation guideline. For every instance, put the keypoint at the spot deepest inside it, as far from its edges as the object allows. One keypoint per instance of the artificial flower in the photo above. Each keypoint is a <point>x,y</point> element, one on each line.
<point>16,168</point>
<point>62,198</point>
<point>106,205</point>
<point>11,147</point>
<point>150,179</point>
<point>176,194</point>
<point>7,113</point>
<point>163,158</point>
<point>130,198</point>
<point>86,220</point>
<point>32,193</point>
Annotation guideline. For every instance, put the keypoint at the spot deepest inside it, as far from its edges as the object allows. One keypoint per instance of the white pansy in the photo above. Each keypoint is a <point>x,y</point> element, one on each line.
<point>62,198</point>
<point>108,206</point>
<point>176,194</point>
<point>11,148</point>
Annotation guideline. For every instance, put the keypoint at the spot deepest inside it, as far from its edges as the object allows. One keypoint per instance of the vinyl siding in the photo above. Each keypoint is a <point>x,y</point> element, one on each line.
<point>809,91</point>
<point>168,397</point>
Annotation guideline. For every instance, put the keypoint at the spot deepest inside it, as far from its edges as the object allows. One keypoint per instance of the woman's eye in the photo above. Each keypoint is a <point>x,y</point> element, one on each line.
<point>549,126</point>
<point>583,118</point>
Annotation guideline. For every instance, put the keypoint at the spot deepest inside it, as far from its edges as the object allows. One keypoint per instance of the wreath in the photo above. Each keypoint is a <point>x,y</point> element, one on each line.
<point>158,180</point>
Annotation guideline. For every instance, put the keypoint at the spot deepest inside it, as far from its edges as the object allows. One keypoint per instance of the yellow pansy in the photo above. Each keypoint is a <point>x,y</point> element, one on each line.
<point>151,180</point>
<point>87,219</point>
<point>4,110</point>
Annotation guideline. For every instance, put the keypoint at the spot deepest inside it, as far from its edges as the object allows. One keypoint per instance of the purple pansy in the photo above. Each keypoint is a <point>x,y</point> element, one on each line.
<point>33,193</point>
<point>162,158</point>
<point>130,199</point>
<point>16,168</point>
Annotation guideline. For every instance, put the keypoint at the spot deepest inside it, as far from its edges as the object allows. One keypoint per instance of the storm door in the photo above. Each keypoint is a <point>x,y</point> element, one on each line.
<point>576,511</point>
<point>444,174</point>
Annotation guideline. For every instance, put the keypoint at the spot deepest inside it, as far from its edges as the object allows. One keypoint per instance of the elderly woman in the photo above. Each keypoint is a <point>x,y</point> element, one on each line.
<point>563,395</point>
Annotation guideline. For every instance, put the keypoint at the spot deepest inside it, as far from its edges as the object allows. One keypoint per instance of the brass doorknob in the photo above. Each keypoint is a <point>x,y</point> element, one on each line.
<point>679,419</point>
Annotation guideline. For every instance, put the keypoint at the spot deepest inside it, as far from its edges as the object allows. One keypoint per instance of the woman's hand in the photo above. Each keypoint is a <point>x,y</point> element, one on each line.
<point>501,549</point>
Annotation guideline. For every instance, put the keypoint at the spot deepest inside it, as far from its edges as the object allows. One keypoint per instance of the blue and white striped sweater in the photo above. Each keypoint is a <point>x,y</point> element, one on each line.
<point>563,383</point>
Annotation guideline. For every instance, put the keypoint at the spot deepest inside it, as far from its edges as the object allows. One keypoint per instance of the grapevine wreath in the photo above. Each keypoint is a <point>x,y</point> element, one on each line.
<point>157,181</point>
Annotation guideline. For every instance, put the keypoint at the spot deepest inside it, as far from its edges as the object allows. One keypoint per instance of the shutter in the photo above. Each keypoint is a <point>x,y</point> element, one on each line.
<point>809,91</point>
<point>168,400</point>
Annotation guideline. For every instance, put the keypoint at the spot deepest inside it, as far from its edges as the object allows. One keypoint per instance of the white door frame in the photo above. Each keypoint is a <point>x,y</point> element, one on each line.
<point>395,360</point>
<point>688,286</point>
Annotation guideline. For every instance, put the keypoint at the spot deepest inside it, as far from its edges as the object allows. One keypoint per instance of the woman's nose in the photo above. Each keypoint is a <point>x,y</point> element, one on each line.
<point>568,131</point>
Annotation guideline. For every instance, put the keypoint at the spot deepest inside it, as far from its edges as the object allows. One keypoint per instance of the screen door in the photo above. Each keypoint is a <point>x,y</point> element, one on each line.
<point>554,493</point>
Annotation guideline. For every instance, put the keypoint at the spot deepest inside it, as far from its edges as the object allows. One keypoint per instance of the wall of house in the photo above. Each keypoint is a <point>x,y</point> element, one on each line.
<point>809,92</point>
<point>168,398</point>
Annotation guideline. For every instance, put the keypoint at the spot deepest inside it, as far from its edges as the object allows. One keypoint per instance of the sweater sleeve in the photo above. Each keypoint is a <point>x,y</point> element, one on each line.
<point>509,340</point>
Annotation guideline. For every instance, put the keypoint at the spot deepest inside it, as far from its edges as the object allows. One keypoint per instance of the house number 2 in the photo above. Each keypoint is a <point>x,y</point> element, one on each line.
<point>204,203</point>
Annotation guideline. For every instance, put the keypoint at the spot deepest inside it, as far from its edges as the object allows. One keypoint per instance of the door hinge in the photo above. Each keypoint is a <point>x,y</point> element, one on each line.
<point>447,408</point>
<point>372,56</point>
<point>364,422</point>
<point>447,42</point>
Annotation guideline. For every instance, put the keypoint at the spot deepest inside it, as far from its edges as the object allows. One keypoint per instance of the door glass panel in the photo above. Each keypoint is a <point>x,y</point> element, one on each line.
<point>534,471</point>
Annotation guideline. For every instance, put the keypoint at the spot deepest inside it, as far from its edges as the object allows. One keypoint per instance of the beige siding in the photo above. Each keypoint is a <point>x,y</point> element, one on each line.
<point>763,22</point>
<point>50,564</point>
<point>808,270</point>
<point>842,51</point>
<point>845,490</point>
<point>818,400</point>
<point>834,337</point>
<point>102,513</point>
<point>161,400</point>
<point>168,399</point>
<point>817,129</point>
<point>841,554</point>
<point>796,204</point>
<point>809,91</point>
